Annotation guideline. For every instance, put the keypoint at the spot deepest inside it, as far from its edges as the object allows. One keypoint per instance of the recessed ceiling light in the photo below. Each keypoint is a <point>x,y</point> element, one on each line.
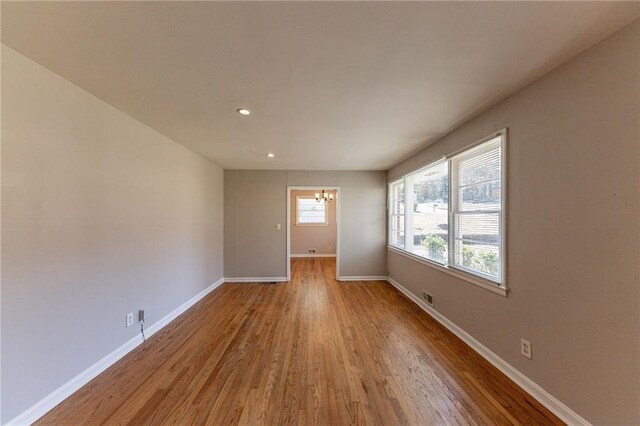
<point>243,111</point>
<point>271,155</point>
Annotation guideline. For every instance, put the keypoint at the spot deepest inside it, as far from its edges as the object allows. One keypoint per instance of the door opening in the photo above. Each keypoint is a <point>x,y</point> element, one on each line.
<point>313,227</point>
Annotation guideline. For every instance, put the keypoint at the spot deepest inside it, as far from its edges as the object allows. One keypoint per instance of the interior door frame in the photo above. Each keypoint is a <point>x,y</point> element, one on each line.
<point>337,201</point>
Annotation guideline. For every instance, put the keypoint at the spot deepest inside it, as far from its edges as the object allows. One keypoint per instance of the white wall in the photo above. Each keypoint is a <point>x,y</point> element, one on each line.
<point>254,248</point>
<point>573,233</point>
<point>101,216</point>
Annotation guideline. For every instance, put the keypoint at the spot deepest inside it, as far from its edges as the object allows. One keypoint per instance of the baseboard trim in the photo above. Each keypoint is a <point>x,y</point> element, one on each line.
<point>313,255</point>
<point>363,278</point>
<point>255,279</point>
<point>43,406</point>
<point>545,398</point>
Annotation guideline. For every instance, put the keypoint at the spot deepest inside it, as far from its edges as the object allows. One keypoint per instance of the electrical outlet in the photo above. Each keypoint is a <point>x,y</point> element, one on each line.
<point>427,298</point>
<point>525,348</point>
<point>129,319</point>
<point>312,251</point>
<point>278,227</point>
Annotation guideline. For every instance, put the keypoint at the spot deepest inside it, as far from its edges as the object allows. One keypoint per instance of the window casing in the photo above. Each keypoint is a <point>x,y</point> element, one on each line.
<point>310,212</point>
<point>452,212</point>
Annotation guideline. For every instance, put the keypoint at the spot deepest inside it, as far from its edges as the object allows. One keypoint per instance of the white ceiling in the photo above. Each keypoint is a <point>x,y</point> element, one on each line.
<point>350,86</point>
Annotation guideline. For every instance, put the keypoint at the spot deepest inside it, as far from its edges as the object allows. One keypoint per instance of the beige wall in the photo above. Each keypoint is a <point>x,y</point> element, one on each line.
<point>305,237</point>
<point>254,248</point>
<point>101,216</point>
<point>573,233</point>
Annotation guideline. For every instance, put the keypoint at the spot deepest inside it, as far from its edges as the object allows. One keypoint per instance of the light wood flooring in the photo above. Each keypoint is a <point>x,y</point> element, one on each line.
<point>312,351</point>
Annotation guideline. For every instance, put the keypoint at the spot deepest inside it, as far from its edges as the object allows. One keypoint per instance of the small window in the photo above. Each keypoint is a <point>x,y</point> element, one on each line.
<point>396,217</point>
<point>310,212</point>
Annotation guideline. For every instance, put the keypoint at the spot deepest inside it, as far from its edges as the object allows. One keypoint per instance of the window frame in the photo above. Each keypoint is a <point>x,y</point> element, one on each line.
<point>309,197</point>
<point>475,277</point>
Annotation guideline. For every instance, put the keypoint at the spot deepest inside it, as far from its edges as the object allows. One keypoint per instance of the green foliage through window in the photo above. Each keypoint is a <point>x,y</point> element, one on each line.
<point>437,248</point>
<point>481,260</point>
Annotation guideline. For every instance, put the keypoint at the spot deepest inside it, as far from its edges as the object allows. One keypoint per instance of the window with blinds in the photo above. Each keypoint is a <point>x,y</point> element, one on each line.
<point>310,212</point>
<point>451,212</point>
<point>476,209</point>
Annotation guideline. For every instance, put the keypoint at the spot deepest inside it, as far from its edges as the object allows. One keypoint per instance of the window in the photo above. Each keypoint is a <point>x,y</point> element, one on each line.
<point>428,223</point>
<point>396,217</point>
<point>310,212</point>
<point>476,209</point>
<point>451,212</point>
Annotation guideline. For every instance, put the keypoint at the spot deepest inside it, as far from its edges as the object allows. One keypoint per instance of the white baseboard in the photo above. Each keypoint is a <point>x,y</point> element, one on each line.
<point>255,279</point>
<point>39,409</point>
<point>313,255</point>
<point>549,401</point>
<point>363,278</point>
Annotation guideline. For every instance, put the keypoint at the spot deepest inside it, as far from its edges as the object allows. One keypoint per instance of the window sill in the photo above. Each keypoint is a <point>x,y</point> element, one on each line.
<point>486,284</point>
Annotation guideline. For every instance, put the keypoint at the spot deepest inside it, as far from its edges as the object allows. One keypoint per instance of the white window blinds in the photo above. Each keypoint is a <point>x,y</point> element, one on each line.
<point>476,211</point>
<point>310,212</point>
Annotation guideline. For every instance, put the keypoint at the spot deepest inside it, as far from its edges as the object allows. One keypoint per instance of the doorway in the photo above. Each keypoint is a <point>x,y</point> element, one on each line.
<point>313,228</point>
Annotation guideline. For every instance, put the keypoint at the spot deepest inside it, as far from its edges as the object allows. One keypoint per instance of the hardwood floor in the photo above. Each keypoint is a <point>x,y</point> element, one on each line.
<point>312,351</point>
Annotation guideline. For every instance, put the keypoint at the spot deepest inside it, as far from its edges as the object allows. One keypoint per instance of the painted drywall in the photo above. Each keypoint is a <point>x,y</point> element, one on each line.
<point>101,216</point>
<point>322,238</point>
<point>573,233</point>
<point>256,200</point>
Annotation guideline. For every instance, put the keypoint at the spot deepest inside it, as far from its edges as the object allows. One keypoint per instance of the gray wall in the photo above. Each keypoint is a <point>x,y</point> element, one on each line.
<point>255,200</point>
<point>101,216</point>
<point>573,233</point>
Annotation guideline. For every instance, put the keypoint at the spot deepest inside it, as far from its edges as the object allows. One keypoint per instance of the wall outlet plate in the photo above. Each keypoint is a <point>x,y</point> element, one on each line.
<point>525,348</point>
<point>129,319</point>
<point>312,251</point>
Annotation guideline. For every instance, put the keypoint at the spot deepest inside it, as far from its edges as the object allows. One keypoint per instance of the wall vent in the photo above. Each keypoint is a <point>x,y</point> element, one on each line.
<point>427,298</point>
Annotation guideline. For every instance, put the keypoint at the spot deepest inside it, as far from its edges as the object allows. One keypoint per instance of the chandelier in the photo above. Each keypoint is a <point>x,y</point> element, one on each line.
<point>324,196</point>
